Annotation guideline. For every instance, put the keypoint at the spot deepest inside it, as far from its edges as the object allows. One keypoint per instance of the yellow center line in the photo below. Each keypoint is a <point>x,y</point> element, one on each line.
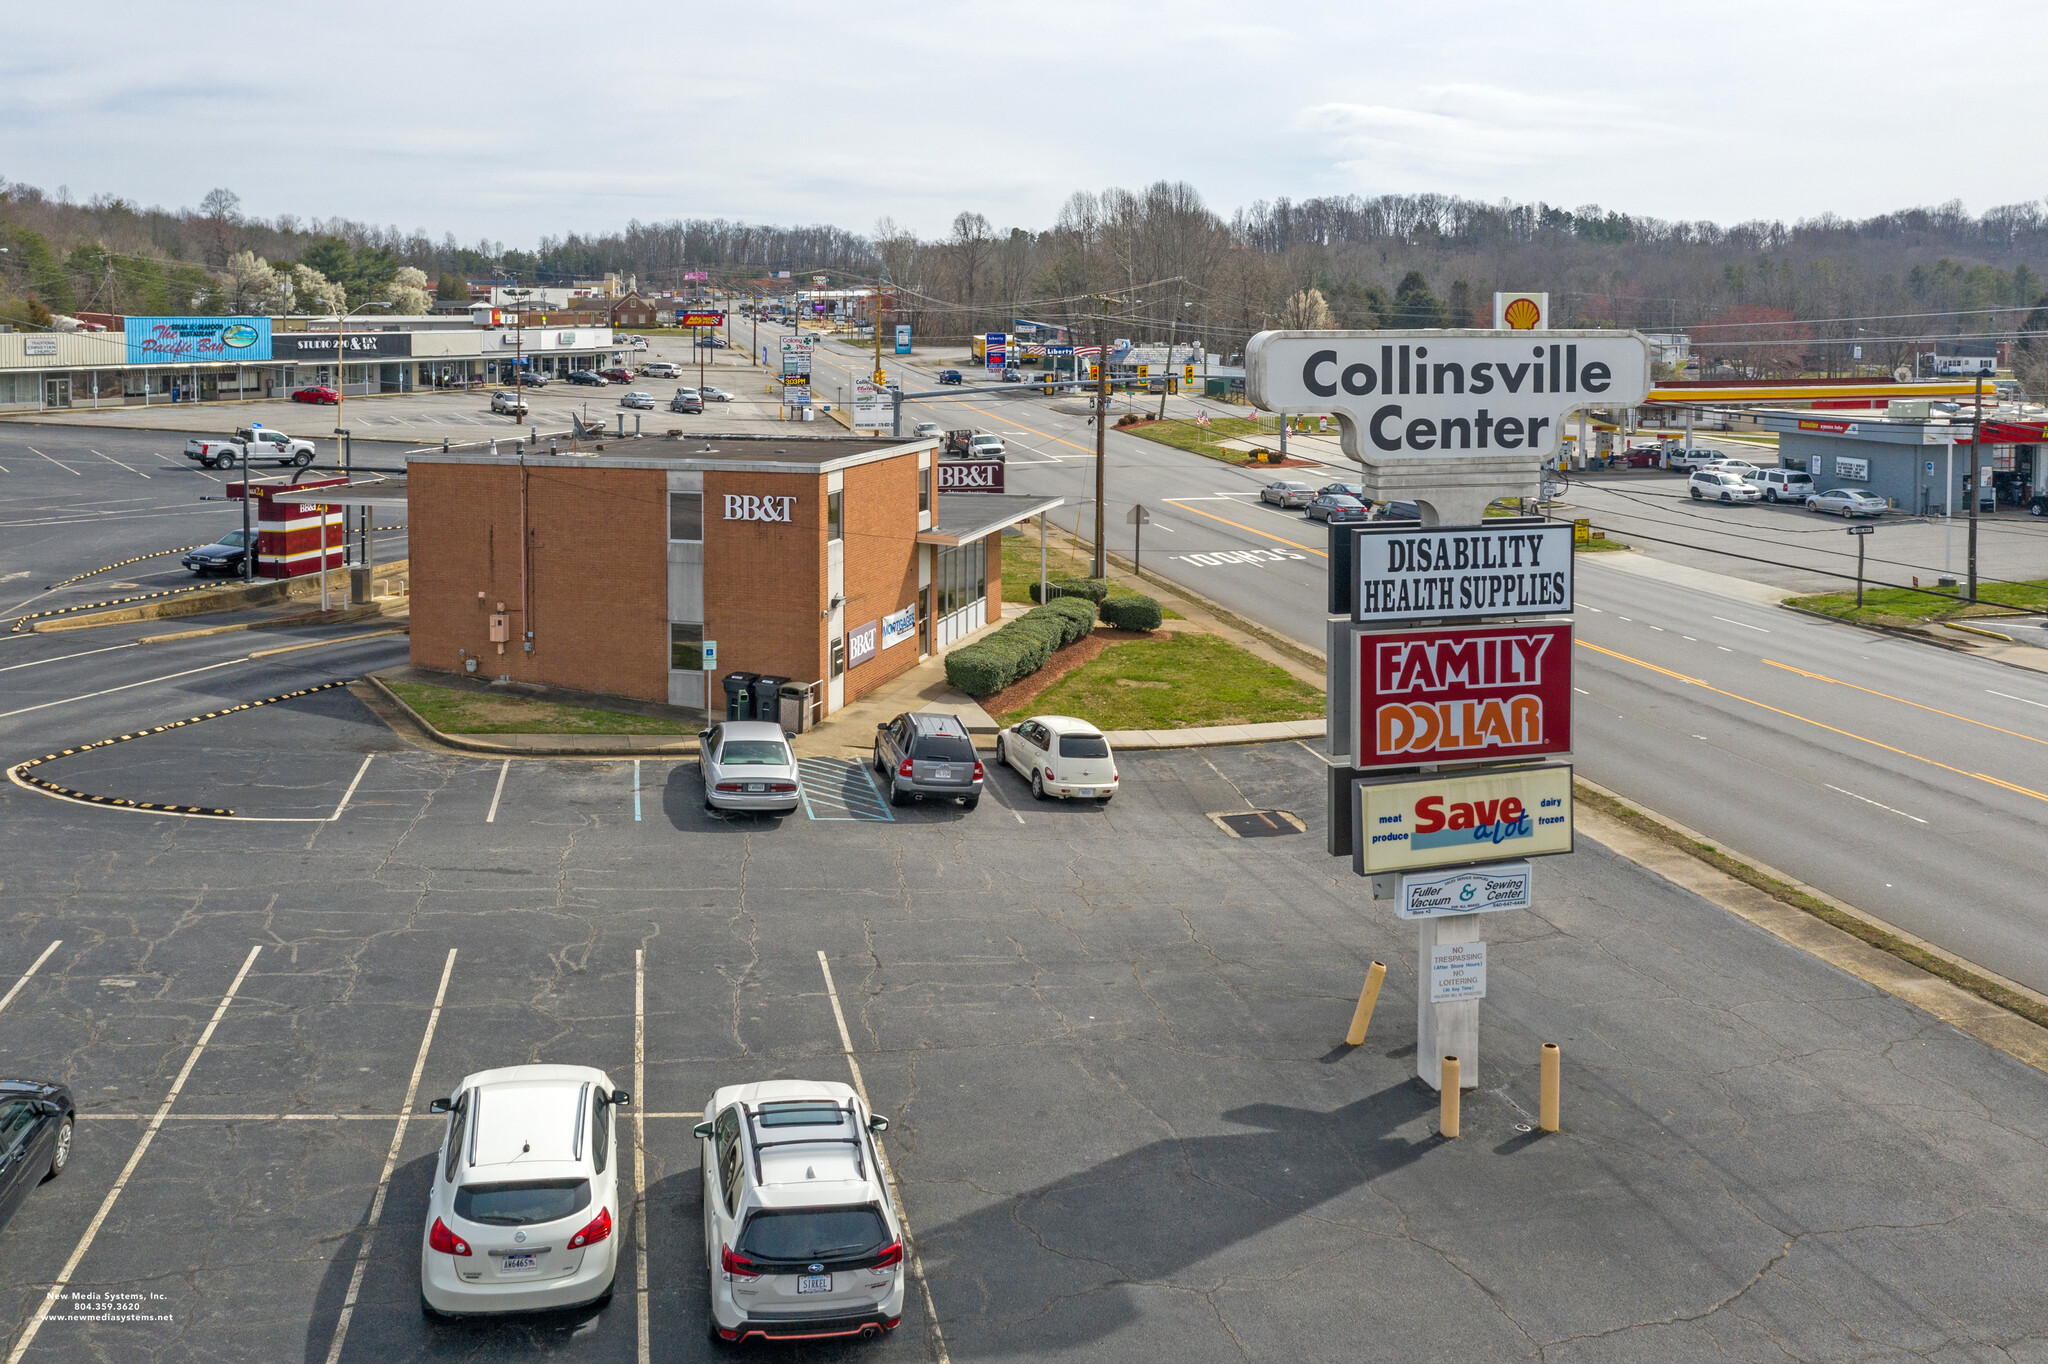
<point>1981,724</point>
<point>1319,553</point>
<point>1736,696</point>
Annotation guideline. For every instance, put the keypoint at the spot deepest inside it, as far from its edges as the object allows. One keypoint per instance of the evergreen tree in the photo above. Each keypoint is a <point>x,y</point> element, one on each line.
<point>1416,306</point>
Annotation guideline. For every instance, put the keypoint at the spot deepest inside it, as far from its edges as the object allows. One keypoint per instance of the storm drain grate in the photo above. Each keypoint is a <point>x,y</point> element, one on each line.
<point>1258,823</point>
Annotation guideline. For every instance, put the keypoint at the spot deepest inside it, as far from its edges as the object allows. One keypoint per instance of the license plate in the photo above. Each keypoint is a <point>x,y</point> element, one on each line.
<point>814,1283</point>
<point>521,1264</point>
<point>1085,791</point>
<point>757,786</point>
<point>943,774</point>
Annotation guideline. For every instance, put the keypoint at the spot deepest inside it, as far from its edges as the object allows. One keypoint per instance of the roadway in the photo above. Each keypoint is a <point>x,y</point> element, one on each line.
<point>1902,778</point>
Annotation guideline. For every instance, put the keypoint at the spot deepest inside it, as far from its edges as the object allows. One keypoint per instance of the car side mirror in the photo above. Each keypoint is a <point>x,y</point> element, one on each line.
<point>438,1106</point>
<point>786,734</point>
<point>882,728</point>
<point>621,1099</point>
<point>878,1124</point>
<point>703,1129</point>
<point>703,736</point>
<point>49,1108</point>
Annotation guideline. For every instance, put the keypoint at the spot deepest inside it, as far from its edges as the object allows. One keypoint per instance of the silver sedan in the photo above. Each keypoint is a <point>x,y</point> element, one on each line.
<point>640,400</point>
<point>1847,502</point>
<point>748,767</point>
<point>1283,493</point>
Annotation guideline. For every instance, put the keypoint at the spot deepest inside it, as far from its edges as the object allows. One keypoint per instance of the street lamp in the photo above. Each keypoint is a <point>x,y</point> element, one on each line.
<point>518,356</point>
<point>341,372</point>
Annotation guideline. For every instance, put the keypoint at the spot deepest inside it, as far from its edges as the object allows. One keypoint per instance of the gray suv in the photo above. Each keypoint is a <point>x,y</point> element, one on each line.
<point>923,753</point>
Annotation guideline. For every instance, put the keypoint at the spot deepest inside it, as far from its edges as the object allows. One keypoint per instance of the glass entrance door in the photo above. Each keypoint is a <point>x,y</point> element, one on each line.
<point>57,390</point>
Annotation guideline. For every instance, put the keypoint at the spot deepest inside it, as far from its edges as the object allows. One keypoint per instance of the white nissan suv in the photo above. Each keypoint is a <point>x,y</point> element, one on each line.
<point>524,1212</point>
<point>802,1238</point>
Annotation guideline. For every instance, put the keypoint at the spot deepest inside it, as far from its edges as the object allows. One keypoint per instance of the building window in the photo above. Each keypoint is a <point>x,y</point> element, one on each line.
<point>839,655</point>
<point>835,519</point>
<point>924,488</point>
<point>686,648</point>
<point>686,516</point>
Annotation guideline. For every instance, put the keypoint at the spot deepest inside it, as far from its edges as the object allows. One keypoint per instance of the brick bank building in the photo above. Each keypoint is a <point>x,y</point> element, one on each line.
<point>833,563</point>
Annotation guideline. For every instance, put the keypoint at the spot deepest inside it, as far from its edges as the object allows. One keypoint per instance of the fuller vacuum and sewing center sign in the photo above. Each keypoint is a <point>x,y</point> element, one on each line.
<point>1460,694</point>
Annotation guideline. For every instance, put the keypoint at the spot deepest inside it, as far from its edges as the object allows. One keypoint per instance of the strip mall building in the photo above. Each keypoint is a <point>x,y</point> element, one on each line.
<point>832,561</point>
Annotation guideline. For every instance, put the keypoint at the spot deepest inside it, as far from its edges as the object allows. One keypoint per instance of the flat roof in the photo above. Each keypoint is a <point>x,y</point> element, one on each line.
<point>960,517</point>
<point>387,494</point>
<point>715,451</point>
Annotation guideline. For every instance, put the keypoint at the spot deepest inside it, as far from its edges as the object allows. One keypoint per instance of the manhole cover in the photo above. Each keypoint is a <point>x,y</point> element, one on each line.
<point>1258,823</point>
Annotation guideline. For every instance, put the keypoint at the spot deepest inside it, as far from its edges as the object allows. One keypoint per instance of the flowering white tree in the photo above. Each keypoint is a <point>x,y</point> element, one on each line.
<point>309,291</point>
<point>248,284</point>
<point>409,292</point>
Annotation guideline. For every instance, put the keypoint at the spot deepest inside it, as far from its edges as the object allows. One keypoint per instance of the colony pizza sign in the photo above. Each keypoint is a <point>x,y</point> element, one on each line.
<point>1459,694</point>
<point>1476,393</point>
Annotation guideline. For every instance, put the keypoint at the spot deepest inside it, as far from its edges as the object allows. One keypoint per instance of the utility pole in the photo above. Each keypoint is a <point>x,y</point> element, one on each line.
<point>1976,473</point>
<point>1101,440</point>
<point>1172,330</point>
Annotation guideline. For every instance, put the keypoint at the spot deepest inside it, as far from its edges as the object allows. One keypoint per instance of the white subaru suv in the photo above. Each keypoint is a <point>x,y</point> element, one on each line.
<point>801,1236</point>
<point>524,1213</point>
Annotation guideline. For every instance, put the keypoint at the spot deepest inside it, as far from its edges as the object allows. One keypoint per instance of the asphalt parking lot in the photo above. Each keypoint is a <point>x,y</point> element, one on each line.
<point>1108,1037</point>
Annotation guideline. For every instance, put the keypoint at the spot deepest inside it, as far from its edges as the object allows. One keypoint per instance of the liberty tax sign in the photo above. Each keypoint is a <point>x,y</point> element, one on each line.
<point>1460,694</point>
<point>1455,821</point>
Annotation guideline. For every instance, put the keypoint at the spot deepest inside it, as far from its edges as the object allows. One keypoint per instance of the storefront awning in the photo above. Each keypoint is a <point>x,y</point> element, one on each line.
<point>387,496</point>
<point>960,518</point>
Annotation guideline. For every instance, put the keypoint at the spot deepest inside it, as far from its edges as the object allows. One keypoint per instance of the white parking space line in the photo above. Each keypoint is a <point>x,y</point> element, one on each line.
<point>503,768</point>
<point>92,1230</point>
<point>1868,801</point>
<point>34,966</point>
<point>640,1147</point>
<point>1744,624</point>
<point>349,794</point>
<point>412,1089</point>
<point>131,469</point>
<point>61,657</point>
<point>888,1171</point>
<point>1987,691</point>
<point>59,463</point>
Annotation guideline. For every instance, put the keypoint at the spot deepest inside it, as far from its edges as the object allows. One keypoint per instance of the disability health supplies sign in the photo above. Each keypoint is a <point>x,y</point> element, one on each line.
<point>1400,395</point>
<point>1457,821</point>
<point>1476,890</point>
<point>1459,693</point>
<point>1508,567</point>
<point>207,340</point>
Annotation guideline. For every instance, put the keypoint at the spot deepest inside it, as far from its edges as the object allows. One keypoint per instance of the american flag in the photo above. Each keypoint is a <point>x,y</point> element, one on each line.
<point>1201,418</point>
<point>1087,350</point>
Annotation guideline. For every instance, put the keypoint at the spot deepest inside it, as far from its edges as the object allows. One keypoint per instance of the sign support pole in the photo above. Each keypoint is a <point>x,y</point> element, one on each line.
<point>1449,1029</point>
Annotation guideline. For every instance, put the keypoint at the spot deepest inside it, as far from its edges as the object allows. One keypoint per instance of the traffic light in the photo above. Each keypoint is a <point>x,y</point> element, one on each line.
<point>1187,374</point>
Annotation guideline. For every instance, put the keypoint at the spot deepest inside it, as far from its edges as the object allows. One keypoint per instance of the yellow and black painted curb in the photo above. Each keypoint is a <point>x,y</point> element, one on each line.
<point>105,568</point>
<point>21,770</point>
<point>22,623</point>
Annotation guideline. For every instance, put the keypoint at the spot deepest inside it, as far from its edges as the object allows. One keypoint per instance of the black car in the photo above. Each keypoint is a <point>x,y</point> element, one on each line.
<point>222,557</point>
<point>1356,490</point>
<point>533,381</point>
<point>1397,511</point>
<point>587,377</point>
<point>1337,507</point>
<point>950,376</point>
<point>36,1119</point>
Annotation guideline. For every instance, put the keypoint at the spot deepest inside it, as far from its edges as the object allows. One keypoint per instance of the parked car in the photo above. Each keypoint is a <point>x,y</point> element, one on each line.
<point>748,767</point>
<point>1713,485</point>
<point>801,1236</point>
<point>523,1207</point>
<point>2037,505</point>
<point>643,401</point>
<point>662,369</point>
<point>1741,468</point>
<point>588,377</point>
<point>508,402</point>
<point>1335,508</point>
<point>922,753</point>
<point>714,342</point>
<point>1397,511</point>
<point>224,556</point>
<point>686,400</point>
<point>37,1118</point>
<point>617,374</point>
<point>715,395</point>
<point>929,429</point>
<point>1785,485</point>
<point>1356,490</point>
<point>1699,457</point>
<point>1847,502</point>
<point>318,393</point>
<point>950,376</point>
<point>1287,493</point>
<point>249,443</point>
<point>1641,457</point>
<point>532,380</point>
<point>1060,756</point>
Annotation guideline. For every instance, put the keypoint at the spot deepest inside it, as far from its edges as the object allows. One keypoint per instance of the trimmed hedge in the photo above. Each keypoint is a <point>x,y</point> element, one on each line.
<point>1092,589</point>
<point>1132,613</point>
<point>1021,647</point>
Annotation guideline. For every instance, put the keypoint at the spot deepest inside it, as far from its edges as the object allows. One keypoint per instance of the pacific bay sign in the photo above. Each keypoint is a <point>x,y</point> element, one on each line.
<point>1451,419</point>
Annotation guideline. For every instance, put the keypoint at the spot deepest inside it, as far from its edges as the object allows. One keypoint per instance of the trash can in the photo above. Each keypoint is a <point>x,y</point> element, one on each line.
<point>796,706</point>
<point>737,706</point>
<point>766,691</point>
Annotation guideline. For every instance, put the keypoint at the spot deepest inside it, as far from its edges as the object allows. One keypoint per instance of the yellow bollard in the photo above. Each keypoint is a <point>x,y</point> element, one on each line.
<point>1547,1107</point>
<point>1361,1017</point>
<point>1447,1116</point>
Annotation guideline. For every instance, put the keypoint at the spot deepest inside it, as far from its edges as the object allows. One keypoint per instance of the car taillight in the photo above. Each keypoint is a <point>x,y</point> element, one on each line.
<point>978,773</point>
<point>891,1256</point>
<point>904,771</point>
<point>736,1266</point>
<point>1049,776</point>
<point>600,1227</point>
<point>782,787</point>
<point>447,1242</point>
<point>727,786</point>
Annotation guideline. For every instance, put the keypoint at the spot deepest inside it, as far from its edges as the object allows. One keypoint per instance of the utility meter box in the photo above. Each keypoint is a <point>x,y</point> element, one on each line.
<point>501,630</point>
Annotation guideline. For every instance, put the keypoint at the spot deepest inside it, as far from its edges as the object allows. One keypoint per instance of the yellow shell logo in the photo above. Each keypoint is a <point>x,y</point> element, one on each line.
<point>1522,315</point>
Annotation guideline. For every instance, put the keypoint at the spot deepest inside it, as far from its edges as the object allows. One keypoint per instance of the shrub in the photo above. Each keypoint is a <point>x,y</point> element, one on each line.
<point>1094,589</point>
<point>1132,613</point>
<point>1077,614</point>
<point>976,670</point>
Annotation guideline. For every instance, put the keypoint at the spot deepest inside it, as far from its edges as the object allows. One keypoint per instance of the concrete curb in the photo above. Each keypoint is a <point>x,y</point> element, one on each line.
<point>203,602</point>
<point>1921,636</point>
<point>540,745</point>
<point>1133,740</point>
<point>1995,1027</point>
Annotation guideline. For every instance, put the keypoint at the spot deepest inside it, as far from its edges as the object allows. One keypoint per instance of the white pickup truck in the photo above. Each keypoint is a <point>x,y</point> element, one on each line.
<point>250,443</point>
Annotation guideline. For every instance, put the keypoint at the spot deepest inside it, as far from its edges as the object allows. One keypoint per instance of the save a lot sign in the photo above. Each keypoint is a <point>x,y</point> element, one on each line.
<point>1452,821</point>
<point>1451,694</point>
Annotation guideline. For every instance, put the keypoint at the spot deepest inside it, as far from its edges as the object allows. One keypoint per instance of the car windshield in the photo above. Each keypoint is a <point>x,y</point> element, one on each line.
<point>812,1234</point>
<point>522,1205</point>
<point>1083,746</point>
<point>754,753</point>
<point>234,537</point>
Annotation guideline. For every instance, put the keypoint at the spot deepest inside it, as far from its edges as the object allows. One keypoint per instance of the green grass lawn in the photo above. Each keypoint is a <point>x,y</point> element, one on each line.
<point>454,711</point>
<point>1020,566</point>
<point>1177,682</point>
<point>1205,440</point>
<point>1901,603</point>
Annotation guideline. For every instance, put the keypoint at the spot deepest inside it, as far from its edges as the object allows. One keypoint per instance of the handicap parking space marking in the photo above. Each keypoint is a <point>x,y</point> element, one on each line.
<point>840,789</point>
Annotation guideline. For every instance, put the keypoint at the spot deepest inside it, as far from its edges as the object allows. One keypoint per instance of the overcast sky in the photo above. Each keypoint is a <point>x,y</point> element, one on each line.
<point>512,120</point>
